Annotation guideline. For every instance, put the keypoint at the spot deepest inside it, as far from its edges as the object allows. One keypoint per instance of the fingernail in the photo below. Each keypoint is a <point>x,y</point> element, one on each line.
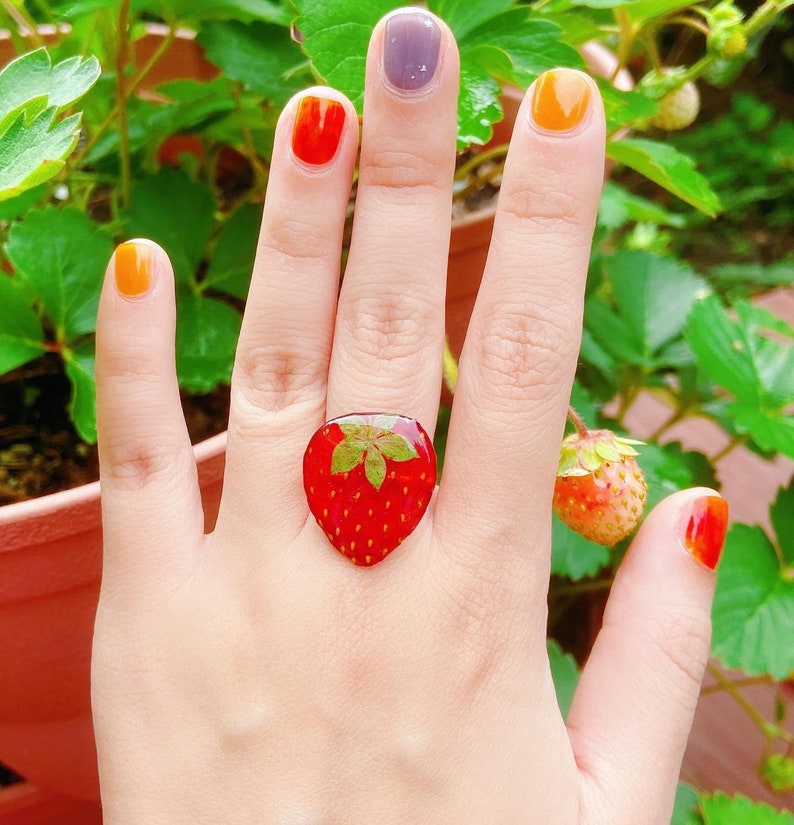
<point>411,45</point>
<point>133,264</point>
<point>704,523</point>
<point>560,100</point>
<point>317,129</point>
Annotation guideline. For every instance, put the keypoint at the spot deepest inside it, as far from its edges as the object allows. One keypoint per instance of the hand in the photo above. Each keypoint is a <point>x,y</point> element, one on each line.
<point>256,676</point>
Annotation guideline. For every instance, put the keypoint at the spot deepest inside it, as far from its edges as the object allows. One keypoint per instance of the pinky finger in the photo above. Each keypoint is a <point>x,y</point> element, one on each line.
<point>151,506</point>
<point>634,706</point>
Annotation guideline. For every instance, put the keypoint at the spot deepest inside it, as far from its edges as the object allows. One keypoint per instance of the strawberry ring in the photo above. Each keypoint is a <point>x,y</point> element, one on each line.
<point>368,479</point>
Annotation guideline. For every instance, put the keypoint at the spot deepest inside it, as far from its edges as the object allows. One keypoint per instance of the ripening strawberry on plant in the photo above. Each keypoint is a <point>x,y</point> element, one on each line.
<point>600,491</point>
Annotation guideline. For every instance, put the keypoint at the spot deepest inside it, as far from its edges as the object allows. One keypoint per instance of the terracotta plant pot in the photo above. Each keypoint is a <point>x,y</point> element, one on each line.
<point>50,567</point>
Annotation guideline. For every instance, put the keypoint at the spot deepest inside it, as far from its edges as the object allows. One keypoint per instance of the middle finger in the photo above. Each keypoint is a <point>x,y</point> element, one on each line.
<point>390,322</point>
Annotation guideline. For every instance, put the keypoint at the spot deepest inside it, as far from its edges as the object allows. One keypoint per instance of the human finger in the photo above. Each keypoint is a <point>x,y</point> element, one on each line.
<point>636,699</point>
<point>280,373</point>
<point>389,333</point>
<point>520,353</point>
<point>151,506</point>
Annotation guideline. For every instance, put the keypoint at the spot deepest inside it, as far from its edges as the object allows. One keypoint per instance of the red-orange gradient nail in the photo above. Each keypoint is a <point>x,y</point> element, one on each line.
<point>317,130</point>
<point>705,522</point>
<point>132,264</point>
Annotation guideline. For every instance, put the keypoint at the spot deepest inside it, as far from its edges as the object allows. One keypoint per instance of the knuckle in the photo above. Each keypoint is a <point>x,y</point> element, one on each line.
<point>388,327</point>
<point>543,211</point>
<point>136,465</point>
<point>390,166</point>
<point>520,356</point>
<point>682,640</point>
<point>270,379</point>
<point>295,240</point>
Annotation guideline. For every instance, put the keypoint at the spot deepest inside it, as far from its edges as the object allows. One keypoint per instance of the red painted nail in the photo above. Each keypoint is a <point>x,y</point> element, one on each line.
<point>704,529</point>
<point>317,130</point>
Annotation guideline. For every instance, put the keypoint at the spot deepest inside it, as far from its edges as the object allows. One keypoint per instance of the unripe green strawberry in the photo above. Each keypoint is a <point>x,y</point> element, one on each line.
<point>678,108</point>
<point>600,491</point>
<point>778,772</point>
<point>731,44</point>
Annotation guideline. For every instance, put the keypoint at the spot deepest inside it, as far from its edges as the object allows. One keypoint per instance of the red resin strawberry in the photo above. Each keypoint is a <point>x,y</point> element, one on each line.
<point>368,479</point>
<point>600,491</point>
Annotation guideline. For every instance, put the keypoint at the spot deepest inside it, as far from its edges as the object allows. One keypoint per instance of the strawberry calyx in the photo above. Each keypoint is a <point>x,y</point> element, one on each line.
<point>371,444</point>
<point>582,455</point>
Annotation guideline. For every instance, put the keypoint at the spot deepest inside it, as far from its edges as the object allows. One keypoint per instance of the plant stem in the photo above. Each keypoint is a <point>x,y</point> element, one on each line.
<point>581,587</point>
<point>677,415</point>
<point>26,27</point>
<point>450,367</point>
<point>478,159</point>
<point>692,23</point>
<point>738,441</point>
<point>738,683</point>
<point>130,89</point>
<point>769,729</point>
<point>260,170</point>
<point>121,103</point>
<point>576,420</point>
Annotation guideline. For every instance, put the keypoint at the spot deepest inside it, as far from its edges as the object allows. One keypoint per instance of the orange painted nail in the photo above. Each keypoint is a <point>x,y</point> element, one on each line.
<point>704,528</point>
<point>560,100</point>
<point>133,265</point>
<point>317,130</point>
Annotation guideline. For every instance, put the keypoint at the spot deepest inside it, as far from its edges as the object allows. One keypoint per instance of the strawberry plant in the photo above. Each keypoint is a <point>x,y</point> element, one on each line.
<point>101,140</point>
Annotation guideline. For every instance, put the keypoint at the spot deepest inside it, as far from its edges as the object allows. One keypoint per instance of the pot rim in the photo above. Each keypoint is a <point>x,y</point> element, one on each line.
<point>86,494</point>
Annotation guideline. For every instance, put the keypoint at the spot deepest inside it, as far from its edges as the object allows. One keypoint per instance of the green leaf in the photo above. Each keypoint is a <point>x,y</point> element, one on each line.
<point>669,468</point>
<point>16,207</point>
<point>478,105</point>
<point>653,295</point>
<point>462,15</point>
<point>177,213</point>
<point>781,514</point>
<point>335,38</point>
<point>21,335</point>
<point>753,606</point>
<point>32,153</point>
<point>395,447</point>
<point>199,11</point>
<point>738,355</point>
<point>80,369</point>
<point>63,255</point>
<point>33,77</point>
<point>375,468</point>
<point>724,810</point>
<point>206,339</point>
<point>613,335</point>
<point>624,108</point>
<point>772,431</point>
<point>530,46</point>
<point>573,556</point>
<point>637,10</point>
<point>231,266</point>
<point>346,455</point>
<point>564,673</point>
<point>665,165</point>
<point>618,207</point>
<point>686,800</point>
<point>262,56</point>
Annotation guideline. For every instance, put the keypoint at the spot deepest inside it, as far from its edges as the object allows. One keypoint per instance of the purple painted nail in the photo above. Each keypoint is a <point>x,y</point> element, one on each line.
<point>410,50</point>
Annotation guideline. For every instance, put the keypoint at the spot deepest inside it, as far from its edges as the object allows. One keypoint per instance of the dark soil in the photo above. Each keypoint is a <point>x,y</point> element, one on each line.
<point>40,453</point>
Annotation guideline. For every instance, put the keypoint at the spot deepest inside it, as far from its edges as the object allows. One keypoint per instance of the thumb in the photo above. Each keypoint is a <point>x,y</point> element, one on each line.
<point>633,710</point>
